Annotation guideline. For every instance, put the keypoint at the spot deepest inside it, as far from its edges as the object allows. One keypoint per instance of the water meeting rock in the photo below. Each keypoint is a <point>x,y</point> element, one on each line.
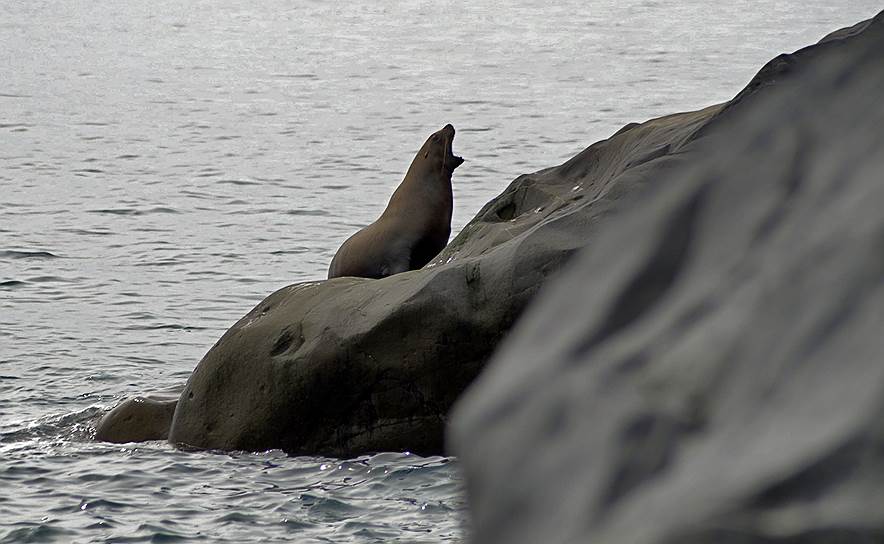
<point>711,368</point>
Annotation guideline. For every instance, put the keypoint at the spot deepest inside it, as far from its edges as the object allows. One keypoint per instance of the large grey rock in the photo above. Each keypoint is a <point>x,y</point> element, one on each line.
<point>347,366</point>
<point>711,369</point>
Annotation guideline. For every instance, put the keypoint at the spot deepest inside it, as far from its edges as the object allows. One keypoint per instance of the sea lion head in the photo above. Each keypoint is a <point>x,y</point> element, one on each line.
<point>436,151</point>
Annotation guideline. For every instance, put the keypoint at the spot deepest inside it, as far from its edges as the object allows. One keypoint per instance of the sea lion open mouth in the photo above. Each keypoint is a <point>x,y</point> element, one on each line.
<point>450,161</point>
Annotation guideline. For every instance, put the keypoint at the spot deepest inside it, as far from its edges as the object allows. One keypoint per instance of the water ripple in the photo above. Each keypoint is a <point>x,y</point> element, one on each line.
<point>134,211</point>
<point>13,254</point>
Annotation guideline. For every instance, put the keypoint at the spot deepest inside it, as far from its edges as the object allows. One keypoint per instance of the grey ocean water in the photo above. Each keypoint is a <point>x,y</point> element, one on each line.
<point>165,165</point>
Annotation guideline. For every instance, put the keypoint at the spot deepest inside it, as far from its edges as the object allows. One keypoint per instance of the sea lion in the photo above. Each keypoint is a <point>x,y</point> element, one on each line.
<point>416,223</point>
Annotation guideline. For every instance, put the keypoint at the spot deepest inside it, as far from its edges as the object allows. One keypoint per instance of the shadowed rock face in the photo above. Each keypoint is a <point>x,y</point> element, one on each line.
<point>347,366</point>
<point>711,369</point>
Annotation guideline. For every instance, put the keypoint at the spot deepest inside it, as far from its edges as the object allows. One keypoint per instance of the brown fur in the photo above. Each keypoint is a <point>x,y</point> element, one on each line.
<point>416,223</point>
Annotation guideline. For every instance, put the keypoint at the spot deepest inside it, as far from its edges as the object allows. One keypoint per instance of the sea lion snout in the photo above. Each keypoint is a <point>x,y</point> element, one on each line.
<point>451,160</point>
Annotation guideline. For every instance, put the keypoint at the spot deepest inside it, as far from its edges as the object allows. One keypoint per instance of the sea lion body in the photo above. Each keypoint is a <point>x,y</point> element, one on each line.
<point>416,224</point>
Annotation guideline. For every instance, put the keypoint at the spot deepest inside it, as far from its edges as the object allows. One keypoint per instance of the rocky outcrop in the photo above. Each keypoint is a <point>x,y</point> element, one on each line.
<point>348,365</point>
<point>711,369</point>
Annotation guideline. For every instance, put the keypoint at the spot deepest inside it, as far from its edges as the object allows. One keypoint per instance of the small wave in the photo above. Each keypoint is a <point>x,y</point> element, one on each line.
<point>156,533</point>
<point>134,211</point>
<point>49,279</point>
<point>100,504</point>
<point>34,533</point>
<point>171,261</point>
<point>9,284</point>
<point>73,425</point>
<point>159,209</point>
<point>116,211</point>
<point>87,232</point>
<point>237,517</point>
<point>238,182</point>
<point>255,211</point>
<point>325,504</point>
<point>169,326</point>
<point>199,194</point>
<point>15,254</point>
<point>295,76</point>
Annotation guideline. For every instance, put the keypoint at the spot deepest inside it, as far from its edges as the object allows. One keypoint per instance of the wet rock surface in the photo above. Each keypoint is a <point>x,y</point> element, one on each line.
<point>709,370</point>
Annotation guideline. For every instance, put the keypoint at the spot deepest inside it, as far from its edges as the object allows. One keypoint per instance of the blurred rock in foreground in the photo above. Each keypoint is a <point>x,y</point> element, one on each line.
<point>711,369</point>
